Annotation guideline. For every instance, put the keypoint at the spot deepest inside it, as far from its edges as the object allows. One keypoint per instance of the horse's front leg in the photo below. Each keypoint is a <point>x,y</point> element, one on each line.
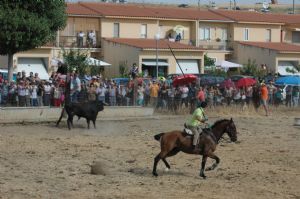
<point>204,158</point>
<point>212,167</point>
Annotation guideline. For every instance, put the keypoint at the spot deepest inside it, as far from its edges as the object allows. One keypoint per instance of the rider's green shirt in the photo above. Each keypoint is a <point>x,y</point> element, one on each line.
<point>198,114</point>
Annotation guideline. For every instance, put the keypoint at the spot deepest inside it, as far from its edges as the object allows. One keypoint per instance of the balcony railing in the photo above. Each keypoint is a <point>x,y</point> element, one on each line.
<point>75,42</point>
<point>215,45</point>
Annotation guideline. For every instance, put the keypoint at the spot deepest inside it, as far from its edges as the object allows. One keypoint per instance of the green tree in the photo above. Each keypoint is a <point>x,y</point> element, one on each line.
<point>252,69</point>
<point>76,60</point>
<point>28,24</point>
<point>208,61</point>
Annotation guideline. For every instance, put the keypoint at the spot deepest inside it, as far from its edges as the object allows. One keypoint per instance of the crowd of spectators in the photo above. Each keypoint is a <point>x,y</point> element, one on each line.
<point>28,91</point>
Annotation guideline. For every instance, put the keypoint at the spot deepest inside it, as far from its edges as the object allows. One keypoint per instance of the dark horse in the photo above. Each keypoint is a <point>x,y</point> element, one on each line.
<point>175,141</point>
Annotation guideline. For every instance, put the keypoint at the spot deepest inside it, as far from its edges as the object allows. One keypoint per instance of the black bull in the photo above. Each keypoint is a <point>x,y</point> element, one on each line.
<point>87,110</point>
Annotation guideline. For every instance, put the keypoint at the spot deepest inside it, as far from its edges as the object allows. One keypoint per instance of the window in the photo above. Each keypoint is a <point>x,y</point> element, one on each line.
<point>246,34</point>
<point>144,31</point>
<point>204,33</point>
<point>116,30</point>
<point>224,34</point>
<point>268,35</point>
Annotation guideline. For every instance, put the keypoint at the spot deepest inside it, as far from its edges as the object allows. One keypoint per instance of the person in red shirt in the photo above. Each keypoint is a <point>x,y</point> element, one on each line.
<point>264,97</point>
<point>201,95</point>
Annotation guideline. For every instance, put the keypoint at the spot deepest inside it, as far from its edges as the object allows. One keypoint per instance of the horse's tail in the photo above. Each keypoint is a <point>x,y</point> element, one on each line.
<point>158,136</point>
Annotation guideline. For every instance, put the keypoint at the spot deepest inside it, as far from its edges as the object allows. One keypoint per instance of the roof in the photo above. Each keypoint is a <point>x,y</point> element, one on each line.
<point>277,46</point>
<point>139,10</point>
<point>77,9</point>
<point>250,16</point>
<point>151,44</point>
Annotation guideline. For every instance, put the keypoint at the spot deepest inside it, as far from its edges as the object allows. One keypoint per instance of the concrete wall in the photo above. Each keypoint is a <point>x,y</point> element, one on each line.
<point>257,32</point>
<point>117,55</point>
<point>45,114</point>
<point>128,28</point>
<point>261,55</point>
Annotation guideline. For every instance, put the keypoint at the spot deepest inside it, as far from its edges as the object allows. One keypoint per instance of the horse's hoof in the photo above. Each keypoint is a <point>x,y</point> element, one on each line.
<point>155,174</point>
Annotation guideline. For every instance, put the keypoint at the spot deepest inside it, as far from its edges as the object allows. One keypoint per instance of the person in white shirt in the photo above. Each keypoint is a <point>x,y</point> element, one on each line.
<point>184,95</point>
<point>33,94</point>
<point>80,39</point>
<point>47,93</point>
<point>101,93</point>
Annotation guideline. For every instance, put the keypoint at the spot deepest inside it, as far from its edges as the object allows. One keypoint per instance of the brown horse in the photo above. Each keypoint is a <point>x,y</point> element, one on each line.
<point>175,141</point>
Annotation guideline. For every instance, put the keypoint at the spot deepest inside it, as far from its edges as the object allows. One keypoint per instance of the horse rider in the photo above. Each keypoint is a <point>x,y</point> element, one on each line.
<point>197,121</point>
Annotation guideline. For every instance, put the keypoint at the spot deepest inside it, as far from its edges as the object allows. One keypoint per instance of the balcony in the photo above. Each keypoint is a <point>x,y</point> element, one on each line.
<point>74,42</point>
<point>215,45</point>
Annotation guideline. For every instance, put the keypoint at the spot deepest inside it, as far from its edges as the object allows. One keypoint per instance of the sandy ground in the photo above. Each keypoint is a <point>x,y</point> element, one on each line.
<point>41,161</point>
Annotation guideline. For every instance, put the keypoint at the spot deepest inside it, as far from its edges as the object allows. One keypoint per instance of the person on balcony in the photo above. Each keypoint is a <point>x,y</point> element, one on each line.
<point>91,38</point>
<point>178,37</point>
<point>80,39</point>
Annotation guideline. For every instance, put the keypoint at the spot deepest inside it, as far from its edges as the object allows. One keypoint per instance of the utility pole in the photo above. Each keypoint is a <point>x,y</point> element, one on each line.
<point>293,6</point>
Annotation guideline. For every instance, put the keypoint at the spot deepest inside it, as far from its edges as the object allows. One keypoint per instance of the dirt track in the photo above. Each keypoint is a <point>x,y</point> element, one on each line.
<point>41,161</point>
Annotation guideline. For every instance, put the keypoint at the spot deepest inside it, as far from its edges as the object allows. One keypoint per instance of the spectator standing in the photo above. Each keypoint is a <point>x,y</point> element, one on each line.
<point>140,95</point>
<point>47,93</point>
<point>184,96</point>
<point>192,97</point>
<point>40,94</point>
<point>278,97</point>
<point>75,87</point>
<point>5,88</point>
<point>288,99</point>
<point>33,94</point>
<point>27,94</point>
<point>295,96</point>
<point>112,95</point>
<point>101,93</point>
<point>134,71</point>
<point>21,94</point>
<point>147,94</point>
<point>201,95</point>
<point>154,88</point>
<point>57,95</point>
<point>92,92</point>
<point>264,97</point>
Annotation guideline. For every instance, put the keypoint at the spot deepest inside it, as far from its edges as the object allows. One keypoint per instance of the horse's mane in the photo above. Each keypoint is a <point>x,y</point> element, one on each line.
<point>218,122</point>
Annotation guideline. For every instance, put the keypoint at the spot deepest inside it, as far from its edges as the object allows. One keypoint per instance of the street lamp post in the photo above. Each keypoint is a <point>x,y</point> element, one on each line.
<point>157,36</point>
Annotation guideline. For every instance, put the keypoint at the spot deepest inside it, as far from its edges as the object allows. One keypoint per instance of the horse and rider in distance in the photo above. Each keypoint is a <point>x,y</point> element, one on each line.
<point>199,143</point>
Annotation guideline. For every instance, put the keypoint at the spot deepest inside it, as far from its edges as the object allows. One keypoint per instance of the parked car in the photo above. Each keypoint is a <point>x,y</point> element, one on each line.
<point>4,74</point>
<point>210,80</point>
<point>236,78</point>
<point>121,81</point>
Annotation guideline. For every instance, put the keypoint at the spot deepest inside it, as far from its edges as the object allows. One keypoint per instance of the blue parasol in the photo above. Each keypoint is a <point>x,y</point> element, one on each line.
<point>288,80</point>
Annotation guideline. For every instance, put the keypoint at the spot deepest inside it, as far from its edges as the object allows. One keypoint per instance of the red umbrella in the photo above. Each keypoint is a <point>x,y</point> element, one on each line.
<point>244,82</point>
<point>227,83</point>
<point>184,80</point>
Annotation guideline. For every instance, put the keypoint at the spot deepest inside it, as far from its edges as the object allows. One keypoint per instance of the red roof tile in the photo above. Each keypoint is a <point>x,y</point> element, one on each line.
<point>139,10</point>
<point>151,44</point>
<point>77,9</point>
<point>132,10</point>
<point>282,47</point>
